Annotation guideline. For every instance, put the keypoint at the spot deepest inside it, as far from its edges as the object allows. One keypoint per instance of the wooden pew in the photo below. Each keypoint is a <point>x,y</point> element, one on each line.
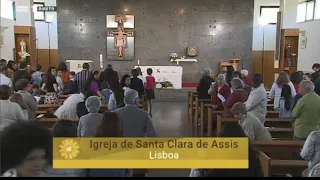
<point>276,132</point>
<point>274,167</point>
<point>49,122</point>
<point>44,107</point>
<point>278,122</point>
<point>193,109</point>
<point>191,94</point>
<point>41,112</point>
<point>279,149</point>
<point>203,114</point>
<point>212,119</point>
<point>270,107</point>
<point>272,114</point>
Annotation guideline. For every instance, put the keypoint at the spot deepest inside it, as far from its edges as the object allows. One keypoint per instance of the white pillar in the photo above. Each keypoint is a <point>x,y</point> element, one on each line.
<point>24,13</point>
<point>281,9</point>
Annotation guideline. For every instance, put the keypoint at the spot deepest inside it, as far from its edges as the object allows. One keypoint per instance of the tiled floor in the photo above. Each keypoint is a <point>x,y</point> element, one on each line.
<point>171,120</point>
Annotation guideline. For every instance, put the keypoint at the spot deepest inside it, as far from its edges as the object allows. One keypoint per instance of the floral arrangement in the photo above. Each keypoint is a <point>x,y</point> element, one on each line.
<point>167,84</point>
<point>173,56</point>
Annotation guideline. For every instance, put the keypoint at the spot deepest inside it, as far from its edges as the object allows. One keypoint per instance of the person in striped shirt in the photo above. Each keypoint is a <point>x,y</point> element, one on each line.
<point>82,77</point>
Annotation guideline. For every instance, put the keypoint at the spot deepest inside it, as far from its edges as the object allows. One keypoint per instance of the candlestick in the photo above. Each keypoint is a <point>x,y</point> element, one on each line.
<point>101,61</point>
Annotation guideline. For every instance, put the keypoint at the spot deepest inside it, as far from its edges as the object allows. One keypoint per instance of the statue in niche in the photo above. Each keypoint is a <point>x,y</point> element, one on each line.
<point>288,55</point>
<point>23,50</point>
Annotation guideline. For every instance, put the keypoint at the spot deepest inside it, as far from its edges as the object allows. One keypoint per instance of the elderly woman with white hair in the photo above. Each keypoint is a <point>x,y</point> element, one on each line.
<point>247,81</point>
<point>306,114</point>
<point>218,89</point>
<point>251,125</point>
<point>88,123</point>
<point>204,84</point>
<point>238,95</point>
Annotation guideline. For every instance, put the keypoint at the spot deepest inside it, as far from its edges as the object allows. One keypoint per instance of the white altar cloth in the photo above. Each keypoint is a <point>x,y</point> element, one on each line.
<point>172,74</point>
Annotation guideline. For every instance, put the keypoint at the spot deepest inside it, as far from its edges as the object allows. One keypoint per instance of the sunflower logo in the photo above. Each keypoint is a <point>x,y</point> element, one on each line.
<point>69,149</point>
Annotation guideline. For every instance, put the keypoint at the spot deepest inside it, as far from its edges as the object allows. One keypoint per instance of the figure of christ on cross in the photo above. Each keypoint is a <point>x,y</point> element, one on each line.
<point>120,39</point>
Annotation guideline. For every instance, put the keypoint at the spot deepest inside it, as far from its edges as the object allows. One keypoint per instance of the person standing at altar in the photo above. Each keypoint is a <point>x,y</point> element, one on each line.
<point>150,85</point>
<point>140,76</point>
<point>109,74</point>
<point>137,83</point>
<point>82,77</point>
<point>204,84</point>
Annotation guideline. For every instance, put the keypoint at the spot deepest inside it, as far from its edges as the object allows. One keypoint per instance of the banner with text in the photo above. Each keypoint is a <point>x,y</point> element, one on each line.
<point>150,153</point>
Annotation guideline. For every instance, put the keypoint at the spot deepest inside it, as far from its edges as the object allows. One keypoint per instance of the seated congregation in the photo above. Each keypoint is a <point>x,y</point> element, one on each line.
<point>286,115</point>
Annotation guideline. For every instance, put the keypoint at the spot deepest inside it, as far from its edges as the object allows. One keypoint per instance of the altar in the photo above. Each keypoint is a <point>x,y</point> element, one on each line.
<point>173,74</point>
<point>76,65</point>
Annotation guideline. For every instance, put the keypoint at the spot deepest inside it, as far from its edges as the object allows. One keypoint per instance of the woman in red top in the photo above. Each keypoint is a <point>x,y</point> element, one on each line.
<point>222,88</point>
<point>150,85</point>
<point>238,95</point>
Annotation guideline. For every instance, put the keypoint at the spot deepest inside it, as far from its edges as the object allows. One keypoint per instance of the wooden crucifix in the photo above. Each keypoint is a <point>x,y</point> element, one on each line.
<point>120,36</point>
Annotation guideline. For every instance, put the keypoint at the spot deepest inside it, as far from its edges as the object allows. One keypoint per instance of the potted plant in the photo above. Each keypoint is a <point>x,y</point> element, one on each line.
<point>173,56</point>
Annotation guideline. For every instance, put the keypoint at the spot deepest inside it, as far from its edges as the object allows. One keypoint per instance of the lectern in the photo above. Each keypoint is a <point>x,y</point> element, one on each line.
<point>234,63</point>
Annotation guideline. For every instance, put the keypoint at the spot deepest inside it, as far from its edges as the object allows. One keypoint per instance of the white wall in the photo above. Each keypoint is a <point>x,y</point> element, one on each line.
<point>269,30</point>
<point>8,39</point>
<point>307,57</point>
<point>7,28</point>
<point>42,29</point>
<point>290,14</point>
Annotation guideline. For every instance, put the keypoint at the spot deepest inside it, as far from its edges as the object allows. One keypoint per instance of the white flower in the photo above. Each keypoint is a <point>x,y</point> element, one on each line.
<point>173,55</point>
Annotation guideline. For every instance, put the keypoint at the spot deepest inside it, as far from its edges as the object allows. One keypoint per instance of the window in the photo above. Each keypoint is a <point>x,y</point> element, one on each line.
<point>310,10</point>
<point>317,10</point>
<point>301,12</point>
<point>38,16</point>
<point>6,9</point>
<point>269,13</point>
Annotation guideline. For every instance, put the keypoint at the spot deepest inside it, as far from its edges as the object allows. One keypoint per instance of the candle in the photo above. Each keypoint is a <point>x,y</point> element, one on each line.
<point>138,61</point>
<point>101,61</point>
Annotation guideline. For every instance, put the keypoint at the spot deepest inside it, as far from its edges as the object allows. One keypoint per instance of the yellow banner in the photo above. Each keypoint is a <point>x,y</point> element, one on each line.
<point>150,153</point>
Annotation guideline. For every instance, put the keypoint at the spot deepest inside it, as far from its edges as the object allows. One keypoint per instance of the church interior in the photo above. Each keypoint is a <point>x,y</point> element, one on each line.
<point>185,43</point>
